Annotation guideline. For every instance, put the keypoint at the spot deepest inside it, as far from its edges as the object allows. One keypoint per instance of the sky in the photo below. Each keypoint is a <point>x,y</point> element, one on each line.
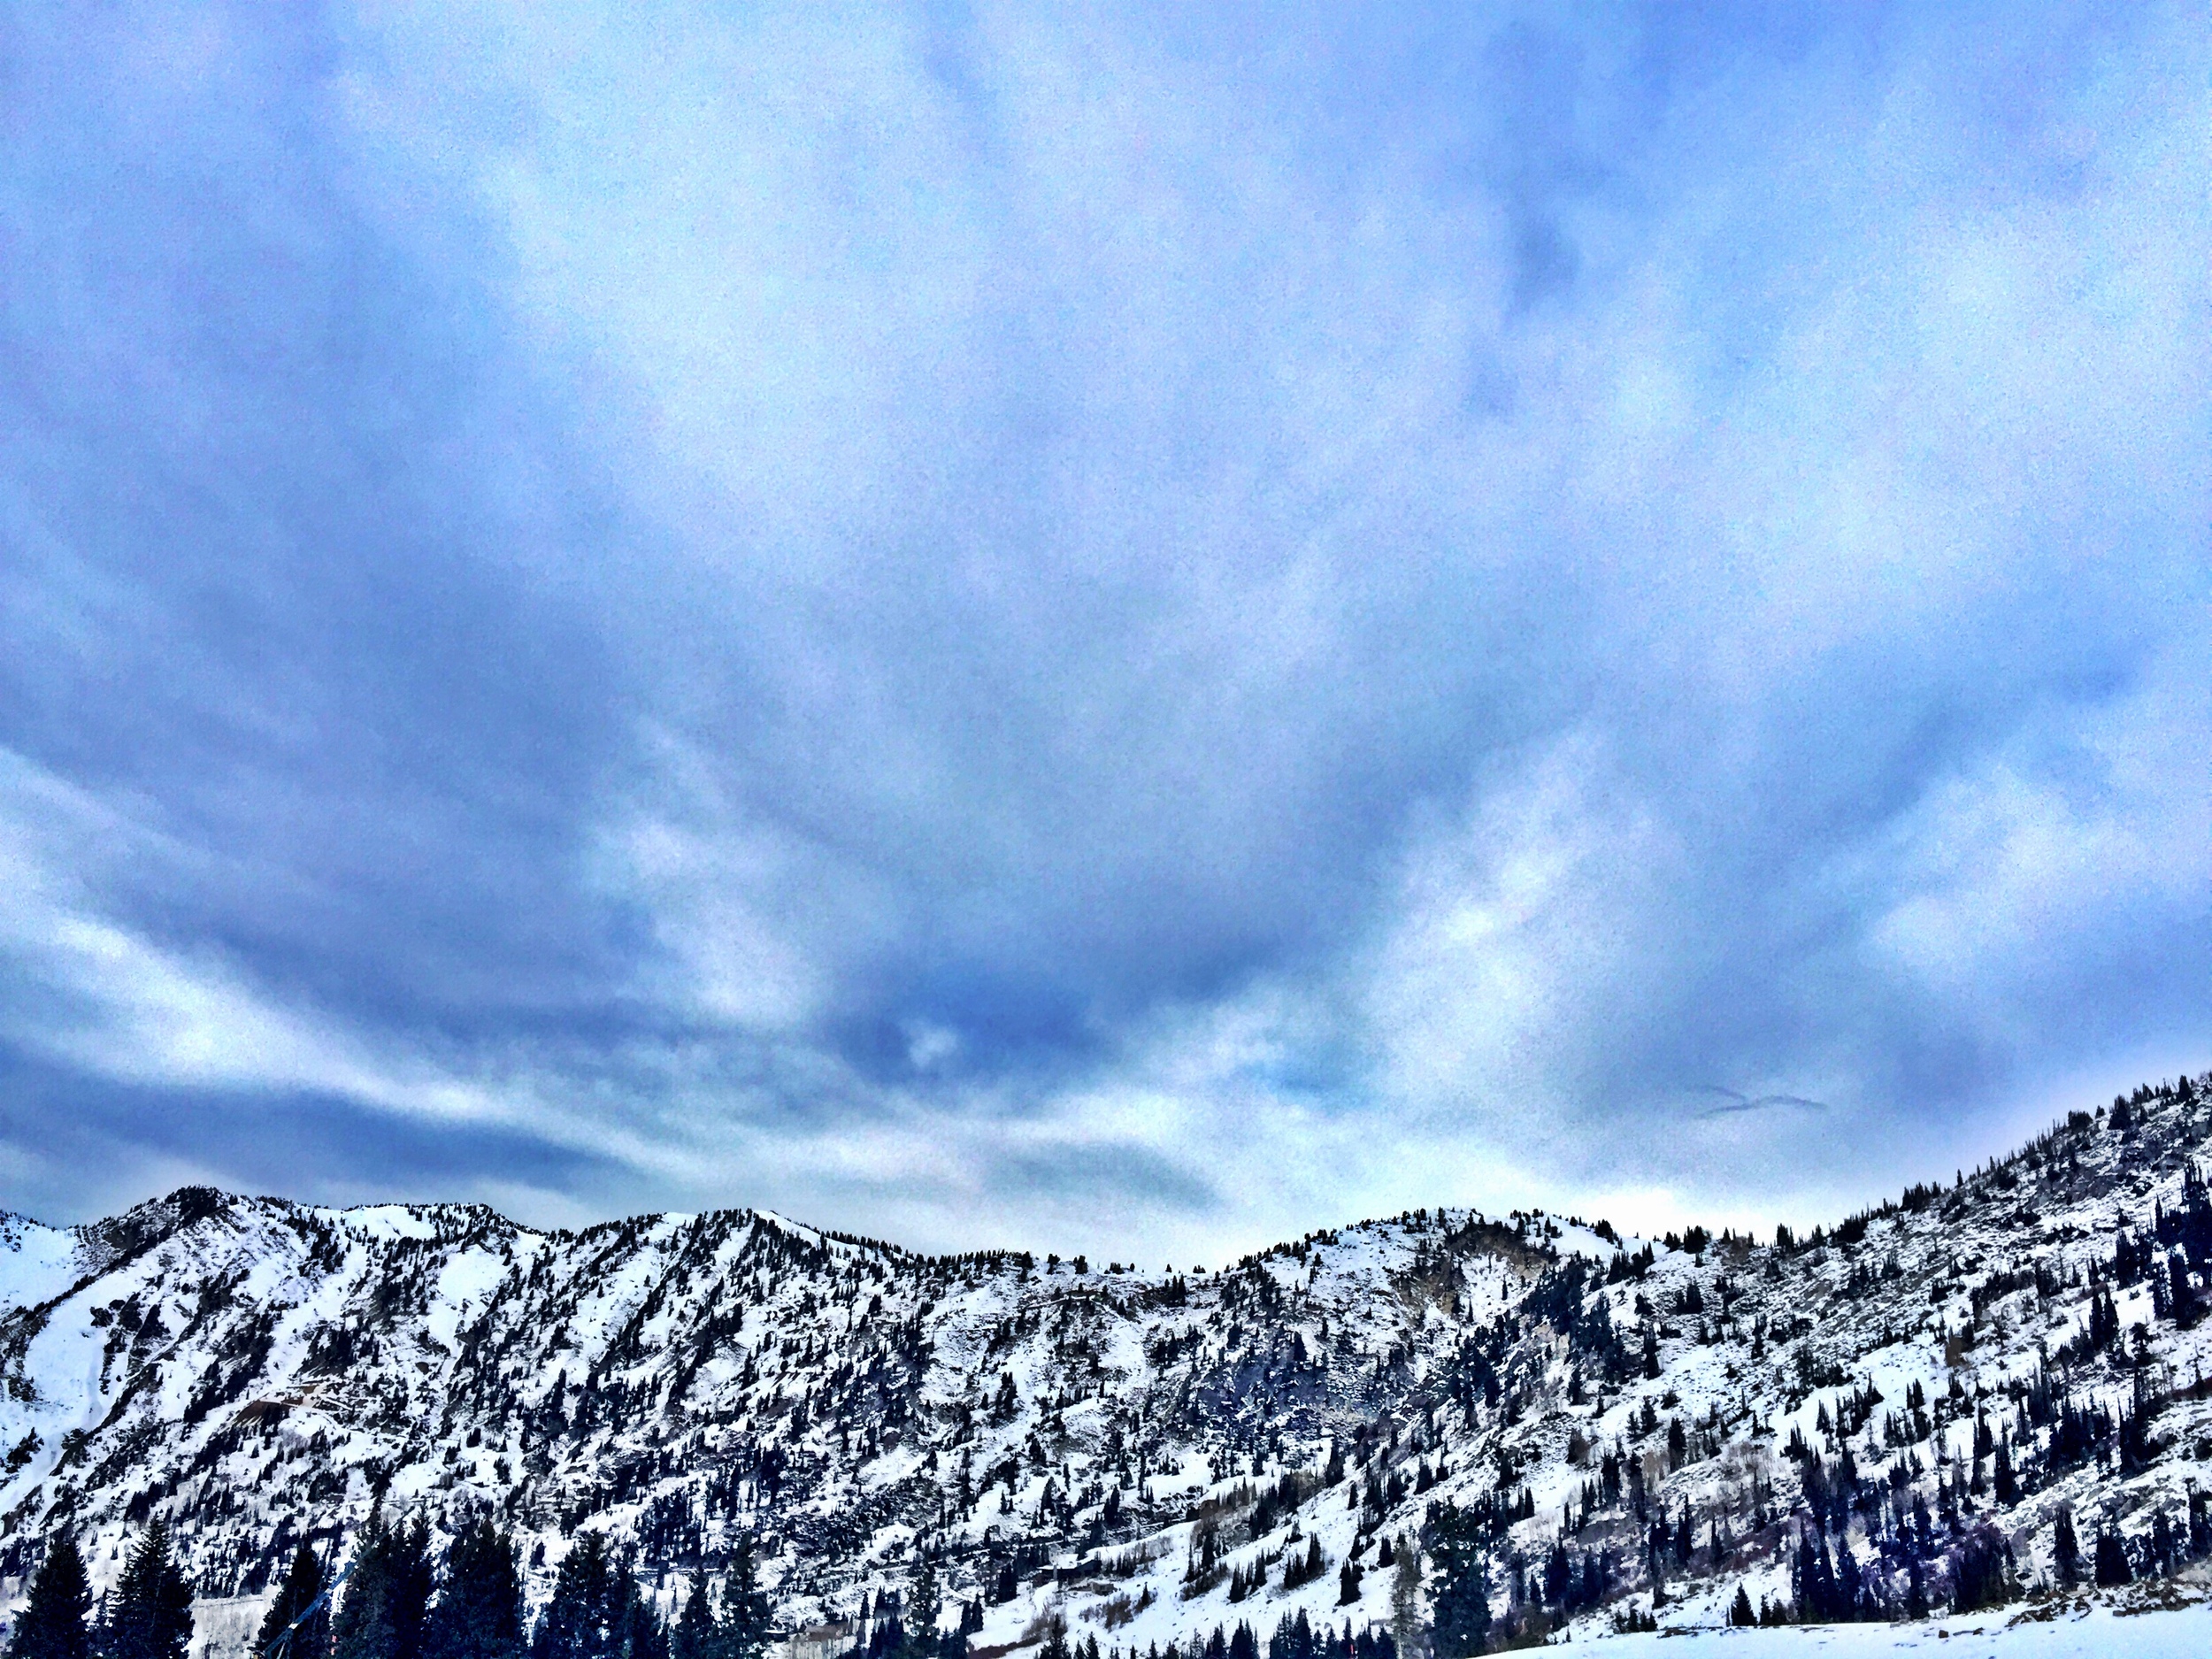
<point>1130,629</point>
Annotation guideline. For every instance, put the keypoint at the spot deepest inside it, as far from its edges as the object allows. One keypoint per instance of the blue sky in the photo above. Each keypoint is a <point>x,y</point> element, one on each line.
<point>1130,628</point>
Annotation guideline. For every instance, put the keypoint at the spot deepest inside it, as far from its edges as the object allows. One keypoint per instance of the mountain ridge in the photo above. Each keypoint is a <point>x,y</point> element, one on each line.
<point>256,1372</point>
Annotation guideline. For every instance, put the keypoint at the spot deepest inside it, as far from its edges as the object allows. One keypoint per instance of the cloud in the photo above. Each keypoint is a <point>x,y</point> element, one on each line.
<point>98,998</point>
<point>1103,625</point>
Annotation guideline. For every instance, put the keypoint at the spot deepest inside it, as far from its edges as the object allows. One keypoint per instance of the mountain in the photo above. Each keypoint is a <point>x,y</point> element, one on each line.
<point>1892,1413</point>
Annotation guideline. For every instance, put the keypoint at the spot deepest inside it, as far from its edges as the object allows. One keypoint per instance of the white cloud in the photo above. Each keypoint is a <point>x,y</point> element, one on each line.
<point>2094,820</point>
<point>121,1005</point>
<point>1507,934</point>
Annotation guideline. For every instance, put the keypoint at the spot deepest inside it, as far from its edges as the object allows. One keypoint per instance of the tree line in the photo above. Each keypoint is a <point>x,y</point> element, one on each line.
<point>398,1601</point>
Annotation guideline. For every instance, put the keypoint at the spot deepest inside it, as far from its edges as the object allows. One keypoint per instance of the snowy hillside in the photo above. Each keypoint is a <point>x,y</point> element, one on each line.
<point>1901,1408</point>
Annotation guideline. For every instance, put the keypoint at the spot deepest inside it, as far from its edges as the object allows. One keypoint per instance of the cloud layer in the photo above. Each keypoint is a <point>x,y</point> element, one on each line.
<point>1122,630</point>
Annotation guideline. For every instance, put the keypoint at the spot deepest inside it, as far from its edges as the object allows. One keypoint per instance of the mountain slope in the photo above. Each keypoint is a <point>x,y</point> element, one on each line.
<point>1136,1452</point>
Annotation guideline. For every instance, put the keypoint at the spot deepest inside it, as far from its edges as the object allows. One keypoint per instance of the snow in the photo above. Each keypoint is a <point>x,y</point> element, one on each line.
<point>38,1263</point>
<point>223,1627</point>
<point>465,1287</point>
<point>2087,1632</point>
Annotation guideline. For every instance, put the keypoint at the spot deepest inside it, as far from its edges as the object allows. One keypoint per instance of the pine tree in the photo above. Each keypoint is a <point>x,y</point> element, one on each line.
<point>150,1615</point>
<point>2112,1560</point>
<point>582,1617</point>
<point>1348,1579</point>
<point>746,1614</point>
<point>2065,1551</point>
<point>1405,1599</point>
<point>1462,1595</point>
<point>388,1595</point>
<point>55,1622</point>
<point>301,1589</point>
<point>479,1610</point>
<point>1981,1571</point>
<point>2162,1551</point>
<point>2008,1482</point>
<point>924,1606</point>
<point>1740,1613</point>
<point>1812,1580</point>
<point>695,1635</point>
<point>1850,1587</point>
<point>641,1635</point>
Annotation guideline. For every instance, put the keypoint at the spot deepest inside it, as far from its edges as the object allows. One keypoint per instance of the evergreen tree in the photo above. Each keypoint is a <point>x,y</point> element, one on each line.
<point>388,1595</point>
<point>1981,1571</point>
<point>2065,1551</point>
<point>479,1610</point>
<point>1813,1579</point>
<point>1462,1592</point>
<point>1851,1595</point>
<point>746,1615</point>
<point>583,1617</point>
<point>1348,1579</point>
<point>301,1589</point>
<point>2112,1560</point>
<point>641,1635</point>
<point>1405,1596</point>
<point>2163,1551</point>
<point>56,1622</point>
<point>695,1635</point>
<point>1740,1613</point>
<point>150,1615</point>
<point>924,1606</point>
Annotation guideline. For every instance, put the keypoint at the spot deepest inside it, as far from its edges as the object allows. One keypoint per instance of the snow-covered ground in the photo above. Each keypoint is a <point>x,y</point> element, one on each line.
<point>2088,1632</point>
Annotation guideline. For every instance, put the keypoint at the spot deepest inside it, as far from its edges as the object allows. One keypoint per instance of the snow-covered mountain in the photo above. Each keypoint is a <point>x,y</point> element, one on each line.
<point>1149,1455</point>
